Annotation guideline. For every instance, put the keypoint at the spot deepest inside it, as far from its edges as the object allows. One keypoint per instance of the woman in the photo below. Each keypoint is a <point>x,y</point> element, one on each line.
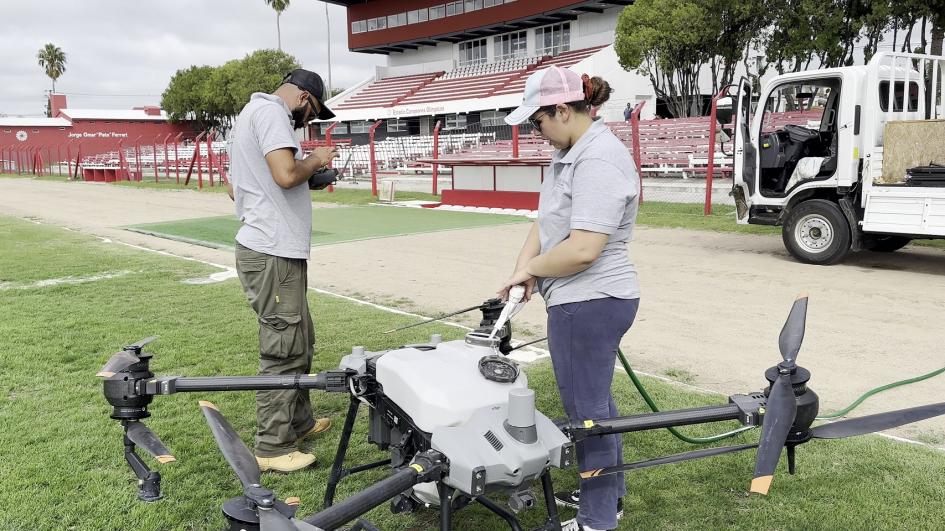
<point>576,256</point>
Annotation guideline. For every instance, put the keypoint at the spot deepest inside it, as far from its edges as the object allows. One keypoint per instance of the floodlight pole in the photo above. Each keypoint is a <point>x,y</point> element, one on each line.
<point>328,32</point>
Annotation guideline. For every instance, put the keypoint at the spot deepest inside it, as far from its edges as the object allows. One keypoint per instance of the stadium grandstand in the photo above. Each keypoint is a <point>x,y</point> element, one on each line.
<point>454,70</point>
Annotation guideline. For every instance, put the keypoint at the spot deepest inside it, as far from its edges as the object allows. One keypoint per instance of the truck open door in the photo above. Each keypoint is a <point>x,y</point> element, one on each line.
<point>745,174</point>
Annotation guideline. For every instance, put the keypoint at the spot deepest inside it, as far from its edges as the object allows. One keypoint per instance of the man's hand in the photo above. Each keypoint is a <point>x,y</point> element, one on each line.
<point>325,155</point>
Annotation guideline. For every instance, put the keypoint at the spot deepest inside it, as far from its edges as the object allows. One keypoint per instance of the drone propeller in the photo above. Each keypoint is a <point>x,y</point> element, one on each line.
<point>142,436</point>
<point>877,422</point>
<point>128,356</point>
<point>117,363</point>
<point>243,462</point>
<point>781,406</point>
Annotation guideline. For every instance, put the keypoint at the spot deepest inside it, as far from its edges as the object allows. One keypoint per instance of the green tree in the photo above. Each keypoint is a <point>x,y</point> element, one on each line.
<point>213,96</point>
<point>668,41</point>
<point>53,60</point>
<point>278,6</point>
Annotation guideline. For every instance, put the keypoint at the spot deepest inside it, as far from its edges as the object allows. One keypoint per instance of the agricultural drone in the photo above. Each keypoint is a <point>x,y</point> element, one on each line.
<point>459,425</point>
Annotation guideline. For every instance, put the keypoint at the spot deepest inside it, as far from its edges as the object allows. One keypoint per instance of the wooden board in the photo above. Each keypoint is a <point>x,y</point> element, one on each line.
<point>911,143</point>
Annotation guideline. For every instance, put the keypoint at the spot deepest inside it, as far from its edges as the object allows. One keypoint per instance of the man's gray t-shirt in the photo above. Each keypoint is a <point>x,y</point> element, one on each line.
<point>592,186</point>
<point>276,221</point>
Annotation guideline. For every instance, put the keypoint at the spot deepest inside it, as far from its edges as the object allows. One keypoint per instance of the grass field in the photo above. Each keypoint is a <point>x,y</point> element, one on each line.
<point>335,225</point>
<point>62,465</point>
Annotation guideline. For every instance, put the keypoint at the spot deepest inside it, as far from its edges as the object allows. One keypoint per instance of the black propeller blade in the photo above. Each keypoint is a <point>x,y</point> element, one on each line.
<point>781,406</point>
<point>136,347</point>
<point>124,359</point>
<point>142,436</point>
<point>243,462</point>
<point>792,334</point>
<point>117,363</point>
<point>240,458</point>
<point>444,316</point>
<point>877,422</point>
<point>676,458</point>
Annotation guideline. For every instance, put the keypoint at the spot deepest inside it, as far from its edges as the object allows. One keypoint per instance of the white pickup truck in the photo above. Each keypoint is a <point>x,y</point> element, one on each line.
<point>844,159</point>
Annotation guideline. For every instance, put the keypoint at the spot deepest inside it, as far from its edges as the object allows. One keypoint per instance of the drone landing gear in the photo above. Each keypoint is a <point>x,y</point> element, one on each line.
<point>448,505</point>
<point>149,481</point>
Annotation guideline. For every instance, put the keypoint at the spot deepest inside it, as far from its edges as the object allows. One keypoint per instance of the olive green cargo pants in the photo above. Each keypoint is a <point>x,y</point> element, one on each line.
<point>276,288</point>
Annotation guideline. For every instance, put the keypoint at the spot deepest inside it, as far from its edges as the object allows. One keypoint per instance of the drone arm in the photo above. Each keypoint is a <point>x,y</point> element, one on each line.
<point>330,381</point>
<point>582,429</point>
<point>427,466</point>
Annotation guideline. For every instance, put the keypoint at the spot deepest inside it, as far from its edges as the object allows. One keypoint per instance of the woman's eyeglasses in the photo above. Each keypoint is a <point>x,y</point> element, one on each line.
<point>536,121</point>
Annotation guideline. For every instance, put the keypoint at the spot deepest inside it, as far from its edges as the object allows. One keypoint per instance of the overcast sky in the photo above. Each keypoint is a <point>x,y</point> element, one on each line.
<point>122,53</point>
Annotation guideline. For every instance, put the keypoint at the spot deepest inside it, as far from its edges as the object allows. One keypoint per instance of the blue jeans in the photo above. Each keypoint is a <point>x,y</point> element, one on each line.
<point>583,338</point>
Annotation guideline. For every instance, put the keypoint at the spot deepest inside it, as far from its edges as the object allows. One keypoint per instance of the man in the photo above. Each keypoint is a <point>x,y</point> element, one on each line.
<point>627,112</point>
<point>269,186</point>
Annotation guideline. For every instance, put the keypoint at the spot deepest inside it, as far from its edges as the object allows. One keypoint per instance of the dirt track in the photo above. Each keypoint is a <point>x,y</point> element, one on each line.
<point>713,303</point>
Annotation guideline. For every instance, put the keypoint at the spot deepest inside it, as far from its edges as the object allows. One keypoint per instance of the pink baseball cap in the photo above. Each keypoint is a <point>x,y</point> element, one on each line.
<point>550,86</point>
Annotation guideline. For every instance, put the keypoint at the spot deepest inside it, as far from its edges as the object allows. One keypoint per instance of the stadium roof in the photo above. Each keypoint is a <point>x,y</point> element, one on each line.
<point>479,23</point>
<point>36,121</point>
<point>113,114</point>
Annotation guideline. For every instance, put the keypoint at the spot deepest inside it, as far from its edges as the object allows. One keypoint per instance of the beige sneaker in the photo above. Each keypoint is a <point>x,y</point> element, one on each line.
<point>320,425</point>
<point>285,463</point>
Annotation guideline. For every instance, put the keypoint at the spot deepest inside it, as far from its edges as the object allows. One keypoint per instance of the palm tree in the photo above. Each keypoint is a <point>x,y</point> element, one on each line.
<point>53,59</point>
<point>279,6</point>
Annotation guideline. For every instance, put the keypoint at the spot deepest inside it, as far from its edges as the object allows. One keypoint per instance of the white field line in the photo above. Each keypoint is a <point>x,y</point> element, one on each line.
<point>538,352</point>
<point>63,280</point>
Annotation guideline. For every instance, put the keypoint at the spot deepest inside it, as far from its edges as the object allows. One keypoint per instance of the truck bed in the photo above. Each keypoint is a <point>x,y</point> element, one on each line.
<point>911,210</point>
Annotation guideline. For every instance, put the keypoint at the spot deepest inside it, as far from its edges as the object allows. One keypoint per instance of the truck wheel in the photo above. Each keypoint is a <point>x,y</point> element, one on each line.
<point>887,244</point>
<point>817,232</point>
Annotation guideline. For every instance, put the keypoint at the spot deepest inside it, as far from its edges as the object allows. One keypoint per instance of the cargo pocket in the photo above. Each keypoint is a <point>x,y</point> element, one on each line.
<point>251,265</point>
<point>281,336</point>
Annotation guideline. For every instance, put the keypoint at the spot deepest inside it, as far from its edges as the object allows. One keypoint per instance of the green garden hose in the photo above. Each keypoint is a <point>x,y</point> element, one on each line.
<point>703,440</point>
<point>674,431</point>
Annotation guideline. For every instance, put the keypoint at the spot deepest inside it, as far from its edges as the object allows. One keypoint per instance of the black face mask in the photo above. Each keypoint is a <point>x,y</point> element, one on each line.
<point>298,117</point>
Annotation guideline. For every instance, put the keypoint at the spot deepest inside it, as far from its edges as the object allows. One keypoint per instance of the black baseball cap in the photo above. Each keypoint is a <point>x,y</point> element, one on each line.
<point>312,83</point>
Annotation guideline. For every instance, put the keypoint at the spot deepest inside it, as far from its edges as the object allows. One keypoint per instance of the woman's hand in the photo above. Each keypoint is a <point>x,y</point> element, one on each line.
<point>518,277</point>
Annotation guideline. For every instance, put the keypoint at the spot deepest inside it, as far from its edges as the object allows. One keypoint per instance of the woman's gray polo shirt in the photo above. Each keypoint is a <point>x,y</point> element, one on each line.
<point>592,186</point>
<point>276,221</point>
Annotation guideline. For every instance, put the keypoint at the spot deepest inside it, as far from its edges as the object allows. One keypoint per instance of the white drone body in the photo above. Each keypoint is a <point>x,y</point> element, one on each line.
<point>474,407</point>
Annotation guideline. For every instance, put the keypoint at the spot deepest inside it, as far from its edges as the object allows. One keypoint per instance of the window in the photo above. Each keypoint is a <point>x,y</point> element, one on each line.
<point>340,129</point>
<point>381,23</point>
<point>395,125</point>
<point>473,5</point>
<point>359,26</point>
<point>422,15</point>
<point>456,121</point>
<point>437,12</point>
<point>898,96</point>
<point>472,52</point>
<point>372,24</point>
<point>552,40</point>
<point>360,127</point>
<point>492,118</point>
<point>454,8</point>
<point>413,17</point>
<point>393,21</point>
<point>490,3</point>
<point>510,46</point>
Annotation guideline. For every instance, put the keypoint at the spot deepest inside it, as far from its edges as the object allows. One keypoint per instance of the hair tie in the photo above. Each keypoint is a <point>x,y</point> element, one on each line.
<point>588,87</point>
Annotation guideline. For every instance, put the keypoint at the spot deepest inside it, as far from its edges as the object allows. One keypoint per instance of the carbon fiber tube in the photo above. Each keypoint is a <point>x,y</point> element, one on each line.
<point>362,502</point>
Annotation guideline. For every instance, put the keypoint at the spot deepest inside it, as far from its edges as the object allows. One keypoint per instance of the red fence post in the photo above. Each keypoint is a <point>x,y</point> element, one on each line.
<point>78,158</point>
<point>436,154</point>
<point>154,156</point>
<point>138,158</point>
<point>373,161</point>
<point>328,132</point>
<point>176,159</point>
<point>713,131</point>
<point>167,171</point>
<point>514,141</point>
<point>210,137</point>
<point>635,131</point>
